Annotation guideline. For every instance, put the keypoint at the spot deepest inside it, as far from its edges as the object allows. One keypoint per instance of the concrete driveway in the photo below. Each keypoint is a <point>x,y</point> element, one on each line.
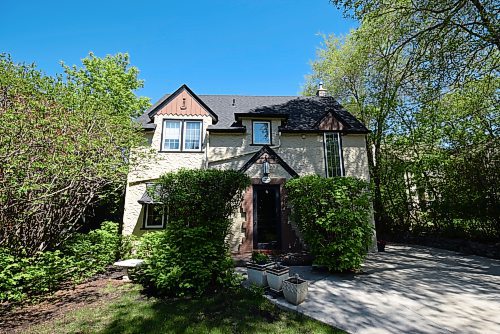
<point>408,289</point>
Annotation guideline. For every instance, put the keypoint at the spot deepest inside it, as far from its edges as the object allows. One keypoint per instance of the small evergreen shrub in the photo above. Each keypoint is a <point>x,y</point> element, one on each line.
<point>333,215</point>
<point>191,256</point>
<point>80,258</point>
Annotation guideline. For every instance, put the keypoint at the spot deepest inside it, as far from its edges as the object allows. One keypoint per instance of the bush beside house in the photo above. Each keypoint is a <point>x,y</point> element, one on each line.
<point>191,256</point>
<point>333,215</point>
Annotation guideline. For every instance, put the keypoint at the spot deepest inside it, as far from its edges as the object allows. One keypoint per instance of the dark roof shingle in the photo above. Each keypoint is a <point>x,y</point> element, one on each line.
<point>302,113</point>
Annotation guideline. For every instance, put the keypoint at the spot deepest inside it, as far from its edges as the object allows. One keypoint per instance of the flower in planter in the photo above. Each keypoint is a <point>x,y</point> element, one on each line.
<point>260,258</point>
<point>256,269</point>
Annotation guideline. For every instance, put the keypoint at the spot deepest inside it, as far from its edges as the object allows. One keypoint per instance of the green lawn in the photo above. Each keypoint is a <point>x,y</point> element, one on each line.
<point>240,311</point>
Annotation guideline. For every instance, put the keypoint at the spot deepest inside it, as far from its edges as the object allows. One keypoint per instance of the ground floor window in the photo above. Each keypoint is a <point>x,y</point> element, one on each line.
<point>154,216</point>
<point>333,154</point>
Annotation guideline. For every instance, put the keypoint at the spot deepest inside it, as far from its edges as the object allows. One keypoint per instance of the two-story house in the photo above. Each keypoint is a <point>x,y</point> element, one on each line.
<point>270,138</point>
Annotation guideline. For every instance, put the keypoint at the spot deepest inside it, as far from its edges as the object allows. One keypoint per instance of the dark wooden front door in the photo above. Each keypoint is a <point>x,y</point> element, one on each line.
<point>267,217</point>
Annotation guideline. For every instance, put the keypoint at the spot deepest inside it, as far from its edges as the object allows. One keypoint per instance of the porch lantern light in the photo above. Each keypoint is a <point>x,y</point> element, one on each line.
<point>265,171</point>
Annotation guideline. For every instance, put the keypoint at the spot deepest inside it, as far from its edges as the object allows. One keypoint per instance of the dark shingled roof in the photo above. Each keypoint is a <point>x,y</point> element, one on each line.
<point>300,113</point>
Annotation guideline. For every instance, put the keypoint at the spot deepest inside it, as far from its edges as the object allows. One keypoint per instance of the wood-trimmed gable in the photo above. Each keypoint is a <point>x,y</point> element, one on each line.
<point>331,123</point>
<point>272,156</point>
<point>182,102</point>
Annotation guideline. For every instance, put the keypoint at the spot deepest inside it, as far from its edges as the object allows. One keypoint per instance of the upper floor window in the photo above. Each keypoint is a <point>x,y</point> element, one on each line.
<point>192,136</point>
<point>261,132</point>
<point>333,154</point>
<point>181,135</point>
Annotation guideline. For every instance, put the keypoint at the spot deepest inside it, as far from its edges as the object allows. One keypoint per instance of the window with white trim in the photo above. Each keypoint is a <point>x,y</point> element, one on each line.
<point>333,154</point>
<point>181,135</point>
<point>192,135</point>
<point>171,135</point>
<point>261,132</point>
<point>154,216</point>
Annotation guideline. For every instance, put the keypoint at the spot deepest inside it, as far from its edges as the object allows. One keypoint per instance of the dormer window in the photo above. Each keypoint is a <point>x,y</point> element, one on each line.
<point>261,132</point>
<point>181,135</point>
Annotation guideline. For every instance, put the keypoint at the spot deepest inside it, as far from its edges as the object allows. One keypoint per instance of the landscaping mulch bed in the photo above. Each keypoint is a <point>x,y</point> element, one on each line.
<point>101,288</point>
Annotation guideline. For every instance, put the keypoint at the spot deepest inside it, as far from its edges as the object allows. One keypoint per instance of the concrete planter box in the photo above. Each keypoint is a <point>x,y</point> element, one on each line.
<point>257,273</point>
<point>275,277</point>
<point>295,290</point>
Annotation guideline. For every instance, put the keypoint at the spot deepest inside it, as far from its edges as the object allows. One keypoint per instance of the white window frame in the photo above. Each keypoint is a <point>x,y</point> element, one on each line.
<point>341,158</point>
<point>268,132</point>
<point>199,149</point>
<point>182,135</point>
<point>146,215</point>
<point>163,147</point>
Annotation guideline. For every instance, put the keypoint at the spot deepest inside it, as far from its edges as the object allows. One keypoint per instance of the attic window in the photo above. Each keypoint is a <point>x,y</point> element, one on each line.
<point>261,133</point>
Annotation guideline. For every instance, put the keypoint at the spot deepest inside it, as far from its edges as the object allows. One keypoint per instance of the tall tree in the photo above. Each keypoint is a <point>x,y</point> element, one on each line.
<point>64,144</point>
<point>368,76</point>
<point>413,71</point>
<point>457,38</point>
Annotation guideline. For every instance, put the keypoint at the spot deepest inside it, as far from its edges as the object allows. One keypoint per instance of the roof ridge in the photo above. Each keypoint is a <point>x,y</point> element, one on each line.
<point>253,95</point>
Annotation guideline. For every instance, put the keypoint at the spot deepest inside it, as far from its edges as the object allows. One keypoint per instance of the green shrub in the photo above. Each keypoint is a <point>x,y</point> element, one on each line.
<point>333,215</point>
<point>127,246</point>
<point>90,253</point>
<point>260,258</point>
<point>82,256</point>
<point>191,256</point>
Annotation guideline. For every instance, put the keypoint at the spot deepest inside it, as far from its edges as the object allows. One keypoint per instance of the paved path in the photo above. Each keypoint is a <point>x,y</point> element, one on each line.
<point>408,289</point>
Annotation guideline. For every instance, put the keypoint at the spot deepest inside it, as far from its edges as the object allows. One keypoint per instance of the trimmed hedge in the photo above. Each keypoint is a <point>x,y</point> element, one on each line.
<point>333,215</point>
<point>81,257</point>
<point>191,256</point>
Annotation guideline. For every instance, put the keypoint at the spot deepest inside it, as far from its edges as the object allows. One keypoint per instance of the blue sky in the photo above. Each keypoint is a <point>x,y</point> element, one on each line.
<point>249,47</point>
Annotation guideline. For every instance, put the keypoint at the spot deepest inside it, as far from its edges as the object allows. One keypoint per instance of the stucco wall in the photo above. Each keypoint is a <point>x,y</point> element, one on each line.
<point>154,163</point>
<point>150,163</point>
<point>355,156</point>
<point>304,153</point>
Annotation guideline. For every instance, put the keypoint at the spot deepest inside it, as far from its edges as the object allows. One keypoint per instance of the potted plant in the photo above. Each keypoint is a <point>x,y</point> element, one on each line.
<point>276,275</point>
<point>381,245</point>
<point>256,269</point>
<point>295,289</point>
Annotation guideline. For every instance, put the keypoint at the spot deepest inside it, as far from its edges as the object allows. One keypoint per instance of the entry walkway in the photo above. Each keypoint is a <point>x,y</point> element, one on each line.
<point>407,289</point>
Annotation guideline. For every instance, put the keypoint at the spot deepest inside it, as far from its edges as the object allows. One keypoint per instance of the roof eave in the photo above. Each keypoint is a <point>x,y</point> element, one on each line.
<point>227,130</point>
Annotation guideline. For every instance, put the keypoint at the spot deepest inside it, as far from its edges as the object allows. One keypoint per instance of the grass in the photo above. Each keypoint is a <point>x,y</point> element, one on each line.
<point>239,311</point>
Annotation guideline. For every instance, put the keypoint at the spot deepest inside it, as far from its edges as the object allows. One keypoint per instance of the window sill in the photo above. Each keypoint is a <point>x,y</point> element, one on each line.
<point>152,228</point>
<point>180,151</point>
<point>270,144</point>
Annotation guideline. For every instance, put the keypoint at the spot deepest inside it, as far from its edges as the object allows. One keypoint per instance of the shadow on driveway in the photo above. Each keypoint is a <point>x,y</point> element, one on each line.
<point>408,289</point>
